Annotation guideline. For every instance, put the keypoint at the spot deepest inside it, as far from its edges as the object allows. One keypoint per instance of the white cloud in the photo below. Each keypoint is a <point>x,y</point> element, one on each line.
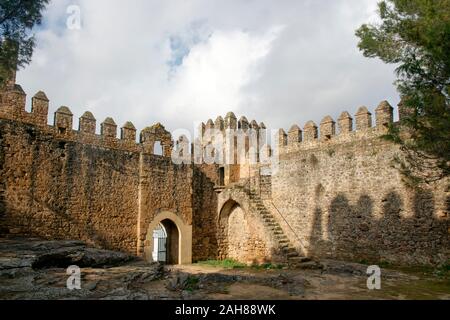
<point>212,76</point>
<point>176,62</point>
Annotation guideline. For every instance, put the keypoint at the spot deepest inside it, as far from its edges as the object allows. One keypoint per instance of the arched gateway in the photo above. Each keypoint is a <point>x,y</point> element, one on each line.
<point>168,240</point>
<point>242,236</point>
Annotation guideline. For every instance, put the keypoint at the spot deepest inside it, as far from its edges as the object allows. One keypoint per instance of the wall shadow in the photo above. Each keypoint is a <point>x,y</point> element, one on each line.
<point>204,223</point>
<point>354,234</point>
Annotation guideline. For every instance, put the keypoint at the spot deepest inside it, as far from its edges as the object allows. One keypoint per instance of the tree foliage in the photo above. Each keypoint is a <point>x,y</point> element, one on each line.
<point>415,36</point>
<point>17,19</point>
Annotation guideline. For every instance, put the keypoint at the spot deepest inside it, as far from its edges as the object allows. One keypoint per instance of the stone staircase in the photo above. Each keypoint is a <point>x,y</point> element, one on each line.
<point>293,258</point>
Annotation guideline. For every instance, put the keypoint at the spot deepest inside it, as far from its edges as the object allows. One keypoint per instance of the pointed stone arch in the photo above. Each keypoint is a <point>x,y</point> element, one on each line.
<point>241,235</point>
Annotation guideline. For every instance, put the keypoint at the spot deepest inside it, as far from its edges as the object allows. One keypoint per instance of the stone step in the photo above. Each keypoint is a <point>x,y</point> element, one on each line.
<point>281,236</point>
<point>290,249</point>
<point>283,242</point>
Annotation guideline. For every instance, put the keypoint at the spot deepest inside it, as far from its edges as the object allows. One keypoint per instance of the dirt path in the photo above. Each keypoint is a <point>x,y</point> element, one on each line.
<point>338,280</point>
<point>34,269</point>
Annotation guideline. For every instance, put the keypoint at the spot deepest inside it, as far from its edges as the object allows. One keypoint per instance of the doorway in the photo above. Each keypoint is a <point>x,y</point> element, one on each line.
<point>178,248</point>
<point>159,252</point>
<point>166,243</point>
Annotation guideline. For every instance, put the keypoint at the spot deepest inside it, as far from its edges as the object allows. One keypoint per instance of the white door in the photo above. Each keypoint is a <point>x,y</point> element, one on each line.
<point>159,253</point>
<point>162,253</point>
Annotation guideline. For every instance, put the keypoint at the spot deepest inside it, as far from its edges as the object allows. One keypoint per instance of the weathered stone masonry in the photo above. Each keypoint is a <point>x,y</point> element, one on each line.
<point>333,192</point>
<point>60,183</point>
<point>342,196</point>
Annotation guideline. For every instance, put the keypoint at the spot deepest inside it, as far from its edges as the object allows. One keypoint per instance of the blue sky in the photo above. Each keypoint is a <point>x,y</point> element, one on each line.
<point>178,62</point>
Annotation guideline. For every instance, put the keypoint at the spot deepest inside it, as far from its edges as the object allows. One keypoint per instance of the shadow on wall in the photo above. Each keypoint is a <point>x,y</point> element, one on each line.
<point>204,222</point>
<point>353,233</point>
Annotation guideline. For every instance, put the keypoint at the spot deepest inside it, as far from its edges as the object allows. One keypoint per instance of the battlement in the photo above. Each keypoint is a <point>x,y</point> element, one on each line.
<point>344,130</point>
<point>230,123</point>
<point>57,180</point>
<point>237,139</point>
<point>12,107</point>
<point>329,131</point>
<point>253,144</point>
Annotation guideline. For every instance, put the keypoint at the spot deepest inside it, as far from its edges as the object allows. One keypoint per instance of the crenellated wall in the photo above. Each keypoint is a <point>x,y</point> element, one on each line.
<point>337,188</point>
<point>61,189</point>
<point>333,191</point>
<point>61,183</point>
<point>329,132</point>
<point>236,145</point>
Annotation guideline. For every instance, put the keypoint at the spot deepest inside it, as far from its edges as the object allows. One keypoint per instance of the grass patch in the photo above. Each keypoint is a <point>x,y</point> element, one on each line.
<point>191,283</point>
<point>443,271</point>
<point>364,262</point>
<point>227,263</point>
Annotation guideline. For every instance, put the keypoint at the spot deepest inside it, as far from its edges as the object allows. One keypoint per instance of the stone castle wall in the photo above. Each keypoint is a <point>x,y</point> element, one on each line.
<point>341,195</point>
<point>60,183</point>
<point>204,222</point>
<point>241,233</point>
<point>59,189</point>
<point>334,191</point>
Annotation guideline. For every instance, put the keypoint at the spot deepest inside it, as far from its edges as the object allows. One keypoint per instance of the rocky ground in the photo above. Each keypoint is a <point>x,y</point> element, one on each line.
<point>35,269</point>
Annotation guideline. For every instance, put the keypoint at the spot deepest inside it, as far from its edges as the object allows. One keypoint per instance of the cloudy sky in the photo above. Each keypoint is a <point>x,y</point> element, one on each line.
<point>177,62</point>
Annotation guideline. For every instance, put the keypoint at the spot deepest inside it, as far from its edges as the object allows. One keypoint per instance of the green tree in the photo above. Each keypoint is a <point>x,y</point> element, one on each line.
<point>415,36</point>
<point>17,19</point>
